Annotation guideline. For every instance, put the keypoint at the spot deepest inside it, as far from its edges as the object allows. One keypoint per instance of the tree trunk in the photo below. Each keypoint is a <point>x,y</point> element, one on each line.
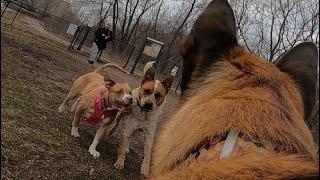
<point>175,34</point>
<point>114,25</point>
<point>156,20</point>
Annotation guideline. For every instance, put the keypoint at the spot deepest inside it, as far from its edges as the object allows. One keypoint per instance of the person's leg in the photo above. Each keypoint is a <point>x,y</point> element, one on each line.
<point>94,53</point>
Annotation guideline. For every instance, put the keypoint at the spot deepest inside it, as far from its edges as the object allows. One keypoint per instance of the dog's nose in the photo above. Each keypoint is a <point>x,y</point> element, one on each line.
<point>130,99</point>
<point>148,106</point>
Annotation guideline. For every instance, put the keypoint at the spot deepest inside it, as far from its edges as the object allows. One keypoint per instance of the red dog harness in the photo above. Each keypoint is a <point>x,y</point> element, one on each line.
<point>101,110</point>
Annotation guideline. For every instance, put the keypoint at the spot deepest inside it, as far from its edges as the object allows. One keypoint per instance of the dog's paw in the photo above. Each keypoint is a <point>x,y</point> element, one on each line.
<point>73,108</point>
<point>144,170</point>
<point>74,132</point>
<point>94,152</point>
<point>119,164</point>
<point>61,108</point>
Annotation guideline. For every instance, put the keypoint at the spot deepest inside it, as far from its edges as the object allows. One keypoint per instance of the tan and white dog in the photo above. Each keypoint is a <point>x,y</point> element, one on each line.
<point>148,102</point>
<point>88,87</point>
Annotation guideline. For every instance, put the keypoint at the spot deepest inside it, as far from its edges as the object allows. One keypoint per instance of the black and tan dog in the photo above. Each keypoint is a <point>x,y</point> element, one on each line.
<point>242,117</point>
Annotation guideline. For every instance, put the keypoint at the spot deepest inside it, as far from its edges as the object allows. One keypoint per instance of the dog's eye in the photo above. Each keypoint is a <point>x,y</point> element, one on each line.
<point>147,91</point>
<point>157,95</point>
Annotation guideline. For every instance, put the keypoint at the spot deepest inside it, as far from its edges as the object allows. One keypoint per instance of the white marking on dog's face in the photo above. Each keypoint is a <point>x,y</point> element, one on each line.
<point>127,98</point>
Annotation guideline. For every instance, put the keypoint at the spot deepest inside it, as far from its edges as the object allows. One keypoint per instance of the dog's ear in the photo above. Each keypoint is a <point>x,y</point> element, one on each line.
<point>106,77</point>
<point>109,83</point>
<point>218,21</point>
<point>149,75</point>
<point>186,45</point>
<point>167,82</point>
<point>212,36</point>
<point>301,63</point>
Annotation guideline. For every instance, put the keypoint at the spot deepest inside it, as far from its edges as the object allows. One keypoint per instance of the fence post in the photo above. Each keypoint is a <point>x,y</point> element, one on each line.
<point>177,87</point>
<point>159,57</point>
<point>16,15</point>
<point>5,8</point>
<point>84,38</point>
<point>125,65</point>
<point>138,57</point>
<point>75,37</point>
<point>99,55</point>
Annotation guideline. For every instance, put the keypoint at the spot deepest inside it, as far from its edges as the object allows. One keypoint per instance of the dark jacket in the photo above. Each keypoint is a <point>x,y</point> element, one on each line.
<point>102,36</point>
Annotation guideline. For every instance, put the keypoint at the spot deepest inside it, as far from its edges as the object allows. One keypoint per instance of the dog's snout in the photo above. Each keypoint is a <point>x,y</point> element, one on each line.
<point>148,106</point>
<point>130,99</point>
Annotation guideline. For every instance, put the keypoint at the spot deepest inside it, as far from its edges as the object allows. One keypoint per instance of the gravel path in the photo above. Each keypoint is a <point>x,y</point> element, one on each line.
<point>37,26</point>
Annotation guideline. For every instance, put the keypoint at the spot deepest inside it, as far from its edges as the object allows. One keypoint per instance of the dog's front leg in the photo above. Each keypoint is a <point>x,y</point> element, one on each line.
<point>100,132</point>
<point>149,134</point>
<point>104,129</point>
<point>124,145</point>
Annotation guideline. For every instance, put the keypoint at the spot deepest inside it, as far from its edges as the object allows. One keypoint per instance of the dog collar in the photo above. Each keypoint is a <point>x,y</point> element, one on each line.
<point>225,146</point>
<point>229,144</point>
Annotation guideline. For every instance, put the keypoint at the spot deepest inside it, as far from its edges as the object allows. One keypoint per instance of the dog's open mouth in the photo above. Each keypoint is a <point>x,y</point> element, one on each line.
<point>123,106</point>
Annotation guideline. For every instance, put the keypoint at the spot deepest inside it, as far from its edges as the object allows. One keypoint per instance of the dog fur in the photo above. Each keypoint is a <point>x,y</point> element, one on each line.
<point>87,87</point>
<point>149,100</point>
<point>226,88</point>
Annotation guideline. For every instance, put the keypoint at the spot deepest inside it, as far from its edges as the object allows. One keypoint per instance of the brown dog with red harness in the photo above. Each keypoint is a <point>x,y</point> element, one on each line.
<point>99,98</point>
<point>242,117</point>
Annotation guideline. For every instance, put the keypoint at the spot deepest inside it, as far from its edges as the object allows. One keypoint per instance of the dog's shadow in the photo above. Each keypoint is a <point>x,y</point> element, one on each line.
<point>108,148</point>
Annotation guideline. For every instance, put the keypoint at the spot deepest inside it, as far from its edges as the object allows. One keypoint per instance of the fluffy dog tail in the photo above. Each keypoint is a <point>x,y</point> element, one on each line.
<point>110,65</point>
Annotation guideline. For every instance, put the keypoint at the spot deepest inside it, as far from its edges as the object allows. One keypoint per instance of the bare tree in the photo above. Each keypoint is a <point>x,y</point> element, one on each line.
<point>269,28</point>
<point>177,31</point>
<point>265,27</point>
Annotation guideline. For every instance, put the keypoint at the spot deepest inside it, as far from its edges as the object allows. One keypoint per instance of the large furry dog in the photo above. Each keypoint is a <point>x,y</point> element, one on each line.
<point>234,97</point>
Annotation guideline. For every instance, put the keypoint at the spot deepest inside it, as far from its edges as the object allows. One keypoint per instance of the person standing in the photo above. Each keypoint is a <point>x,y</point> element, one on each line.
<point>102,35</point>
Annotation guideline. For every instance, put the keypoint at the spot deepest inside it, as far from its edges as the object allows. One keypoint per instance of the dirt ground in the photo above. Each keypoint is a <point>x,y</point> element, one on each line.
<point>36,73</point>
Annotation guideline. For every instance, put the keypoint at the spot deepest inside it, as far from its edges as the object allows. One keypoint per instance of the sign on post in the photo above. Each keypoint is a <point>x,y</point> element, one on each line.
<point>72,29</point>
<point>151,48</point>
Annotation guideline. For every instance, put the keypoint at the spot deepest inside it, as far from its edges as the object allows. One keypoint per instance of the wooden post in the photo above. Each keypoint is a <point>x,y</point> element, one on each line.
<point>84,38</point>
<point>99,55</point>
<point>75,37</point>
<point>138,58</point>
<point>16,15</point>
<point>5,8</point>
<point>125,65</point>
<point>159,57</point>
